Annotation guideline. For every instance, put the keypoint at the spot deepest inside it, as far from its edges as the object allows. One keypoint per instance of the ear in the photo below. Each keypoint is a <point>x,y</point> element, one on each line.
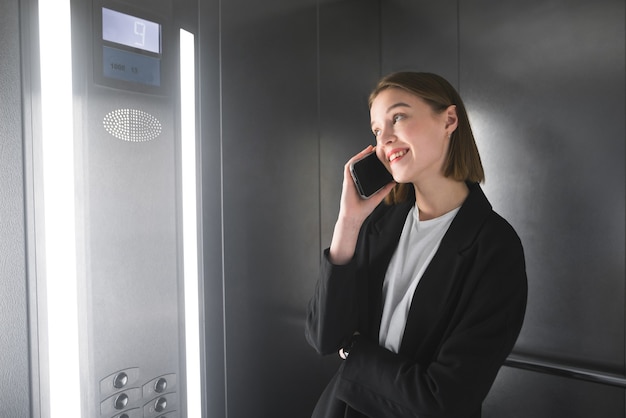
<point>452,119</point>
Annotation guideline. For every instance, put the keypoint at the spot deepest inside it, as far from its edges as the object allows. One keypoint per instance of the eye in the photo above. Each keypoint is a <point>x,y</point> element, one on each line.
<point>376,132</point>
<point>397,117</point>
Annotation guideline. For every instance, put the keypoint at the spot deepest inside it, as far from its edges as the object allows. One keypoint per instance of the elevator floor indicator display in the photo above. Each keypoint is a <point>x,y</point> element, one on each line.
<point>132,48</point>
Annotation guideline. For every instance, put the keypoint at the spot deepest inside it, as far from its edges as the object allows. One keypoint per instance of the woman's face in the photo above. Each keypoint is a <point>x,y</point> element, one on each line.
<point>411,139</point>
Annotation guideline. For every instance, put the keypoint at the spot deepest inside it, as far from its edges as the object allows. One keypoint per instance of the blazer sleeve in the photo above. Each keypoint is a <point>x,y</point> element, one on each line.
<point>481,333</point>
<point>336,310</point>
<point>332,315</point>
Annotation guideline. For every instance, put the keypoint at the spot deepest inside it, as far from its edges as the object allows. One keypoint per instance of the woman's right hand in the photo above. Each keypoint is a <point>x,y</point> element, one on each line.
<point>353,210</point>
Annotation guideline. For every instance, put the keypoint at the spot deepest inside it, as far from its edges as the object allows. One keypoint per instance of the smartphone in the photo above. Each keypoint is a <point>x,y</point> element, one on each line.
<point>369,175</point>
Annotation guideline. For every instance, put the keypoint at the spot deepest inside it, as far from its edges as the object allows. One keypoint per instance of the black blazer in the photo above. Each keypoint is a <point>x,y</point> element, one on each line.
<point>464,319</point>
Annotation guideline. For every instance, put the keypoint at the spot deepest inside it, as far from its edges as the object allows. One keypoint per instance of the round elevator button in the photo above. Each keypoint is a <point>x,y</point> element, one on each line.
<point>160,404</point>
<point>120,380</point>
<point>121,401</point>
<point>160,385</point>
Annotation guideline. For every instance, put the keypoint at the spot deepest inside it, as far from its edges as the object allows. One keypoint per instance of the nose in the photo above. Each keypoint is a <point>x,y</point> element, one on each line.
<point>387,135</point>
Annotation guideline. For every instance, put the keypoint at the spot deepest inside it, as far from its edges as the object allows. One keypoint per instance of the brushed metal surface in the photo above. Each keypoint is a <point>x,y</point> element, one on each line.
<point>522,394</point>
<point>14,350</point>
<point>565,370</point>
<point>544,86</point>
<point>295,79</point>
<point>270,200</point>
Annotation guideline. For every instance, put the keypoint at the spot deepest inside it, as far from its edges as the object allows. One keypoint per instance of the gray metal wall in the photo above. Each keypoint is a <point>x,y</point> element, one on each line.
<point>547,80</point>
<point>270,198</point>
<point>14,371</point>
<point>544,82</point>
<point>284,86</point>
<point>544,85</point>
<point>293,83</point>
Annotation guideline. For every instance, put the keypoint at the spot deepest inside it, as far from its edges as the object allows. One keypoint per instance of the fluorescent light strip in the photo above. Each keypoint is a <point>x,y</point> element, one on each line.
<point>57,146</point>
<point>190,224</point>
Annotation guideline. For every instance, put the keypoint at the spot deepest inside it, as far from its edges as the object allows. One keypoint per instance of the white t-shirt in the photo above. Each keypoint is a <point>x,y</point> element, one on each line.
<point>417,246</point>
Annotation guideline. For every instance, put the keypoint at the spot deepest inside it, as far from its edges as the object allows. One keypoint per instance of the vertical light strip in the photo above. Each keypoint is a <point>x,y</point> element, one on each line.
<point>57,148</point>
<point>190,224</point>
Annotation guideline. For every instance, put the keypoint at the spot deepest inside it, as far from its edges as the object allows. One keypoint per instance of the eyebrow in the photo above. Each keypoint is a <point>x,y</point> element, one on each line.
<point>393,106</point>
<point>399,104</point>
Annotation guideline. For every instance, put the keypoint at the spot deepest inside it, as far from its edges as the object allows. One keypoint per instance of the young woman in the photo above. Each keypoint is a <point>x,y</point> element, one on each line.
<point>423,294</point>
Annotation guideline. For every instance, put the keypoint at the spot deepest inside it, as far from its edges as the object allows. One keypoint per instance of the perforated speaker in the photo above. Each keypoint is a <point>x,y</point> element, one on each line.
<point>132,125</point>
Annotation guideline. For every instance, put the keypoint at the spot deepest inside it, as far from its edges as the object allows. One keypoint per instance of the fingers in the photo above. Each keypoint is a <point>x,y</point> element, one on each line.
<point>347,177</point>
<point>346,172</point>
<point>380,195</point>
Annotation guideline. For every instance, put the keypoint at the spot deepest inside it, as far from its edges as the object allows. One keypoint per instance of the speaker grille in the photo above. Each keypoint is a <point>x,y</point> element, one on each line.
<point>132,125</point>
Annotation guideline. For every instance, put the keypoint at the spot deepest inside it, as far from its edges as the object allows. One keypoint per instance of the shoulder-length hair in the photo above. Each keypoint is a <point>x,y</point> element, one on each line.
<point>463,160</point>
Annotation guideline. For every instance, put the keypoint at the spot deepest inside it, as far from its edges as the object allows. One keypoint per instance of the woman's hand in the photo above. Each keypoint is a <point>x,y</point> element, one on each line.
<point>353,210</point>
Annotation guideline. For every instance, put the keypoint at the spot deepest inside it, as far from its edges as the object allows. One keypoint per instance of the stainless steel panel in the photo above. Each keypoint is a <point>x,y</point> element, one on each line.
<point>420,36</point>
<point>128,223</point>
<point>349,63</point>
<point>544,82</point>
<point>522,394</point>
<point>130,247</point>
<point>292,112</point>
<point>545,89</point>
<point>211,153</point>
<point>349,67</point>
<point>14,349</point>
<point>544,85</point>
<point>270,200</point>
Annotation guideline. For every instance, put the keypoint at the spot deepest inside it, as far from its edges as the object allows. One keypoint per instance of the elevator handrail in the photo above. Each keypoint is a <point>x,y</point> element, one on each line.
<point>526,362</point>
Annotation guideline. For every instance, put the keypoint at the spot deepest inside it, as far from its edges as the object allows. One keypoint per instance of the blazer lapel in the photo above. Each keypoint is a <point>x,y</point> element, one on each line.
<point>435,297</point>
<point>383,239</point>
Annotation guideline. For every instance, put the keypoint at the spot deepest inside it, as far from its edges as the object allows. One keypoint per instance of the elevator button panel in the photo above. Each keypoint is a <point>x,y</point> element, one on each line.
<point>127,393</point>
<point>126,73</point>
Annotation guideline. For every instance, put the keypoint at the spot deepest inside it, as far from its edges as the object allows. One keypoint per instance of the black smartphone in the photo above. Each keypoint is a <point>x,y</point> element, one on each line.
<point>369,175</point>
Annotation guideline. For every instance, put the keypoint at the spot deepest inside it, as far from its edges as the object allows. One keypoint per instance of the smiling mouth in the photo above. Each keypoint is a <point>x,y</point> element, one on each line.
<point>394,156</point>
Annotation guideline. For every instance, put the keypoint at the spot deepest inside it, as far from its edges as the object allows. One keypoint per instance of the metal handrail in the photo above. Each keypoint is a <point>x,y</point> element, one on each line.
<point>542,366</point>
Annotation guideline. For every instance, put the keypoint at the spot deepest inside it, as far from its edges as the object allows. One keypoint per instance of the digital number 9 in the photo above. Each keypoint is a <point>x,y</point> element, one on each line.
<point>140,30</point>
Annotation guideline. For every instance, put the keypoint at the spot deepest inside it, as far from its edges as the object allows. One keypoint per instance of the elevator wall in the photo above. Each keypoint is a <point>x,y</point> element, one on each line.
<point>14,358</point>
<point>552,82</point>
<point>284,86</point>
<point>544,85</point>
<point>292,82</point>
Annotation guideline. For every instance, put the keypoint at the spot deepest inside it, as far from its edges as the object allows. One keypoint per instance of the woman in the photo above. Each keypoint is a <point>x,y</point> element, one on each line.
<point>423,294</point>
